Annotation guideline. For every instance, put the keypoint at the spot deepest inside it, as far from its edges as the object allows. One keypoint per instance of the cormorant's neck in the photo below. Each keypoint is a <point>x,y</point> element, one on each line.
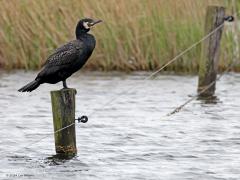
<point>81,33</point>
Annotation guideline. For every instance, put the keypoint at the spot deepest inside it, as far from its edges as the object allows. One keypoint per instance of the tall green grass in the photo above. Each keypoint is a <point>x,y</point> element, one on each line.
<point>136,34</point>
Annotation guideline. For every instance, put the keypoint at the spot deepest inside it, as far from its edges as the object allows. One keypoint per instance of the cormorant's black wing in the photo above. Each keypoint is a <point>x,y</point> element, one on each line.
<point>64,55</point>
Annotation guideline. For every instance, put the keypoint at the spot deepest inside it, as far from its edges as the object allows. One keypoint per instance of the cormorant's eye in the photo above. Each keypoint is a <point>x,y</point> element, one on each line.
<point>91,23</point>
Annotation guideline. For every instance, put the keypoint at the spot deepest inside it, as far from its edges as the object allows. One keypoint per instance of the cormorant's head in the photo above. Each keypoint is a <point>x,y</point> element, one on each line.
<point>84,25</point>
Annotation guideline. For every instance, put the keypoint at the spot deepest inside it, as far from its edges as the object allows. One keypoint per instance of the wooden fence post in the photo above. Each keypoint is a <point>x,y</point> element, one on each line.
<point>63,109</point>
<point>208,64</point>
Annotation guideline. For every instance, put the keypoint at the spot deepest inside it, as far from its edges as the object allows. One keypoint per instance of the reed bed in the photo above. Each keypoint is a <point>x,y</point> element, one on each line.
<point>136,34</point>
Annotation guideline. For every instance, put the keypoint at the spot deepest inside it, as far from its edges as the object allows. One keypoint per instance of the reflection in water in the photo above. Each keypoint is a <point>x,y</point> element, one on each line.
<point>58,159</point>
<point>209,99</point>
<point>127,139</point>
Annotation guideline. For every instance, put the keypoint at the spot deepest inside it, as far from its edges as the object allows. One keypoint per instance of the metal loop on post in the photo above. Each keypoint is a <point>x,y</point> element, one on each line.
<point>82,119</point>
<point>229,18</point>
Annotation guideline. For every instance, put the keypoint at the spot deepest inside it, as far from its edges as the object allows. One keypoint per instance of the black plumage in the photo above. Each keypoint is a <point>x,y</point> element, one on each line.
<point>66,59</point>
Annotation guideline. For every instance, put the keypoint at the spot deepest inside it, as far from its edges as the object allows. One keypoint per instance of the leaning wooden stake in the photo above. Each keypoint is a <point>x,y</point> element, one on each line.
<point>208,64</point>
<point>63,108</point>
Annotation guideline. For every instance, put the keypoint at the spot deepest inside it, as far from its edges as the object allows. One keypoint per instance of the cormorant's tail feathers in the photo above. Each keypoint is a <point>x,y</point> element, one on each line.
<point>30,86</point>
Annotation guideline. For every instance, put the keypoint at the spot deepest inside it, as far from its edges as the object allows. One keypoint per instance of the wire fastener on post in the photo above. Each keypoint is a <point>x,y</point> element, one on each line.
<point>229,18</point>
<point>82,119</point>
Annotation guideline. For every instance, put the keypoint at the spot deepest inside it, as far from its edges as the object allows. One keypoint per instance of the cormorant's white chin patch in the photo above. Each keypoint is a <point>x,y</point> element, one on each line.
<point>85,25</point>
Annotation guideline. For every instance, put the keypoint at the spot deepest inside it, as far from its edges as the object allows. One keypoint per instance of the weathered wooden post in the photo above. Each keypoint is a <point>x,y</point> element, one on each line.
<point>63,108</point>
<point>208,64</point>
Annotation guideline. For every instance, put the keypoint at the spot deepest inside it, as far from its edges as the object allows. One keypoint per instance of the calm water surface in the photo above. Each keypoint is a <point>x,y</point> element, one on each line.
<point>128,139</point>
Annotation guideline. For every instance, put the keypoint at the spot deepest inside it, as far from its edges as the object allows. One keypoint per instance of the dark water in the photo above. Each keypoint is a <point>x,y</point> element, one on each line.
<point>130,138</point>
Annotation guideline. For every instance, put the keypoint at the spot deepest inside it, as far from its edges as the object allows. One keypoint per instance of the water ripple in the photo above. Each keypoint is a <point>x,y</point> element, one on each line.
<point>128,139</point>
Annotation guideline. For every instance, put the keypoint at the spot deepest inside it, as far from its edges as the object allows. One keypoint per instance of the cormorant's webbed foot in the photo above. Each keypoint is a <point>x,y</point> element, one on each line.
<point>65,85</point>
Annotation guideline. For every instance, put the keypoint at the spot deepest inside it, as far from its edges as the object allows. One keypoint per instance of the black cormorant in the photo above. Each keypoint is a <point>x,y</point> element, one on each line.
<point>66,59</point>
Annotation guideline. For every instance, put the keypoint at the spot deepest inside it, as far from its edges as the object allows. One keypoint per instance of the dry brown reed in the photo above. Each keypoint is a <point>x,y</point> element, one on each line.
<point>136,34</point>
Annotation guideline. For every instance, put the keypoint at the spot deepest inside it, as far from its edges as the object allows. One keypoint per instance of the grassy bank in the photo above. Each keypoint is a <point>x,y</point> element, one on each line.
<point>136,35</point>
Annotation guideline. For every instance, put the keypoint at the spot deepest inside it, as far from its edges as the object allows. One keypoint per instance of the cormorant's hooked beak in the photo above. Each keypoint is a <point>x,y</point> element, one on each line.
<point>95,22</point>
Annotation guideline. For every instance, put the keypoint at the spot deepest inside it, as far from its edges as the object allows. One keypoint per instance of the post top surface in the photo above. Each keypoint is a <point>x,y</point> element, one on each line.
<point>216,7</point>
<point>64,90</point>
